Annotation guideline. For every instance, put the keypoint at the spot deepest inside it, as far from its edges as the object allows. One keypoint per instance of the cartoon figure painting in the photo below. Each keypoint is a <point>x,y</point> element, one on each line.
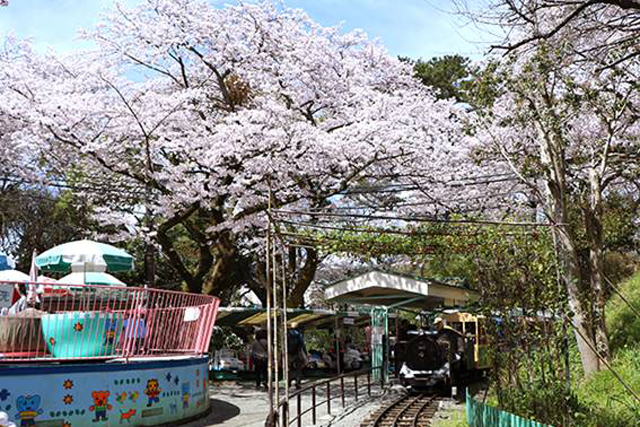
<point>121,397</point>
<point>110,332</point>
<point>127,415</point>
<point>186,388</point>
<point>101,405</point>
<point>153,391</point>
<point>28,410</point>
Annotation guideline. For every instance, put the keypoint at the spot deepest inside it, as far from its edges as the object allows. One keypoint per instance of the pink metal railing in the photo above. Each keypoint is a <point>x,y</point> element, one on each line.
<point>98,322</point>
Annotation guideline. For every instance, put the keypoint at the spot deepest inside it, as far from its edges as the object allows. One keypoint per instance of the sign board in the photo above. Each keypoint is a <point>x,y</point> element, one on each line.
<point>376,335</point>
<point>6,295</point>
<point>353,314</point>
<point>191,314</point>
<point>349,321</point>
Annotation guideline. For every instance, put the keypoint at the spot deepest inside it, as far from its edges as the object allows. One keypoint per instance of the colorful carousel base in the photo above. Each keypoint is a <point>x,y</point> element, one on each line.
<point>141,393</point>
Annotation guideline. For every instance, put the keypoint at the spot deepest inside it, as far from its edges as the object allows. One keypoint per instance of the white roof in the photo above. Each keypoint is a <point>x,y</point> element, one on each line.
<point>391,289</point>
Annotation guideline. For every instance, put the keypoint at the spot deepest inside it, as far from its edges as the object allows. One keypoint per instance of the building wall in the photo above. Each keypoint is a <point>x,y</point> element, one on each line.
<point>105,394</point>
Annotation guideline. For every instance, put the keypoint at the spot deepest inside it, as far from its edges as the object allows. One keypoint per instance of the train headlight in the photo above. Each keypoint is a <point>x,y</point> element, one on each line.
<point>406,372</point>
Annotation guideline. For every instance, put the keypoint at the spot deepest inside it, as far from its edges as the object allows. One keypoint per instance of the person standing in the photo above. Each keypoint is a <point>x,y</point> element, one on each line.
<point>260,357</point>
<point>297,354</point>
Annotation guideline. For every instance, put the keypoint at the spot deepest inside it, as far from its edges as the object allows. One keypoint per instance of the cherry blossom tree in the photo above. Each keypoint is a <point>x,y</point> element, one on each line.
<point>186,118</point>
<point>570,134</point>
<point>601,31</point>
<point>565,123</point>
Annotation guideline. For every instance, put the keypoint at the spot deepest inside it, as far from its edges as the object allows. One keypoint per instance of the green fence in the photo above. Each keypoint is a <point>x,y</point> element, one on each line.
<point>481,415</point>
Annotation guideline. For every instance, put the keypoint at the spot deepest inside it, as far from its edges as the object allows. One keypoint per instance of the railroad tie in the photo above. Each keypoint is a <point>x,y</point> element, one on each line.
<point>407,411</point>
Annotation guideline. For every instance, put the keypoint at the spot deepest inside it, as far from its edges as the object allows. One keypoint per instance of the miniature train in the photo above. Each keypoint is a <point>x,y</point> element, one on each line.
<point>453,352</point>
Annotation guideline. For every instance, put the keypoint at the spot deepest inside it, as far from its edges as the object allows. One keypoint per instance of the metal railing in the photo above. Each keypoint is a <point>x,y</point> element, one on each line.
<point>97,322</point>
<point>316,388</point>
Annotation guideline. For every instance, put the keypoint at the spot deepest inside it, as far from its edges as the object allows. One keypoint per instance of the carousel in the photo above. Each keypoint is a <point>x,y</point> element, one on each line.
<point>87,349</point>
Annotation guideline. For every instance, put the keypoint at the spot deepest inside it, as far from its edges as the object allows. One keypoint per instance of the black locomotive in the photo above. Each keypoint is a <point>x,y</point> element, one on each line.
<point>432,359</point>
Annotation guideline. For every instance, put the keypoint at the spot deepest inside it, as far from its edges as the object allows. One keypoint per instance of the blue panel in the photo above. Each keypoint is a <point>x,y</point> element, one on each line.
<point>100,394</point>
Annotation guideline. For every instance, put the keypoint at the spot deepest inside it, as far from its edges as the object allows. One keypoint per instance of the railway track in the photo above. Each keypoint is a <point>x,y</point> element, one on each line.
<point>407,411</point>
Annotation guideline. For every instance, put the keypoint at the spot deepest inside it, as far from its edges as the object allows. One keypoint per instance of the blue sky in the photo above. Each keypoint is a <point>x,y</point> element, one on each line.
<point>415,28</point>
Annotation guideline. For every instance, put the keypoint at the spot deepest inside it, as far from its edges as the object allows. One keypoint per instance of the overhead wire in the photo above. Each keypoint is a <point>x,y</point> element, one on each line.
<point>381,230</point>
<point>421,203</point>
<point>415,219</point>
<point>303,238</point>
<point>398,188</point>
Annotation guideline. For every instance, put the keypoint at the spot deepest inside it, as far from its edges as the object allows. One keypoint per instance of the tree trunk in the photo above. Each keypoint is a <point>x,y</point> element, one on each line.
<point>257,281</point>
<point>303,279</point>
<point>571,277</point>
<point>553,158</point>
<point>150,264</point>
<point>593,222</point>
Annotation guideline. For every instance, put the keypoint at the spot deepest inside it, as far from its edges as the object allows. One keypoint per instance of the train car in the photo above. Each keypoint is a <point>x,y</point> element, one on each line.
<point>472,327</point>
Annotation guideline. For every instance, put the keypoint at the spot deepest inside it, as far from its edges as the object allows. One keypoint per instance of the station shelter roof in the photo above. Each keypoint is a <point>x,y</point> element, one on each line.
<point>296,317</point>
<point>391,289</point>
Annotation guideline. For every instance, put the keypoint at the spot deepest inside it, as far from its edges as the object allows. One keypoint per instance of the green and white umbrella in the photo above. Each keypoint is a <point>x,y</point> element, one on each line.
<point>90,278</point>
<point>85,255</point>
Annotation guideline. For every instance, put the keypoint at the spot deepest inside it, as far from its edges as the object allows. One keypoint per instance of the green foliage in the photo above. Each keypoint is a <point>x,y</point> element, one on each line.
<point>618,223</point>
<point>225,337</point>
<point>318,339</point>
<point>609,403</point>
<point>446,74</point>
<point>547,402</point>
<point>623,324</point>
<point>620,266</point>
<point>165,275</point>
<point>39,218</point>
<point>515,272</point>
<point>485,86</point>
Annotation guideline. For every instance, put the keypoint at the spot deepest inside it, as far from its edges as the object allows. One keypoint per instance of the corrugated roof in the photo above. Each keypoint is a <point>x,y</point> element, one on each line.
<point>257,316</point>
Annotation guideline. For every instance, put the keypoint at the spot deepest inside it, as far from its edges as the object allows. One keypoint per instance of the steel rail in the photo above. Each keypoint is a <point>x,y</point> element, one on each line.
<point>400,415</point>
<point>424,406</point>
<point>411,410</point>
<point>378,421</point>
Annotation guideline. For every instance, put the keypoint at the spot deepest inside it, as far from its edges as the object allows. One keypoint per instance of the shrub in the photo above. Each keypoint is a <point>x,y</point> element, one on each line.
<point>623,324</point>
